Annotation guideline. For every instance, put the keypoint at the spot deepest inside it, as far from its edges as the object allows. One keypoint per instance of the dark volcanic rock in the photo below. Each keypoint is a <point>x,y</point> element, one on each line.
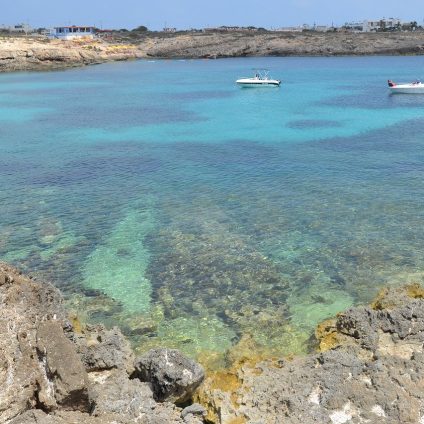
<point>173,376</point>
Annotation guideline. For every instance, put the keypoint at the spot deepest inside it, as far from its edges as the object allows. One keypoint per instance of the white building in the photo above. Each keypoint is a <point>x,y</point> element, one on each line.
<point>72,32</point>
<point>385,24</point>
<point>354,26</point>
<point>322,28</point>
<point>289,29</point>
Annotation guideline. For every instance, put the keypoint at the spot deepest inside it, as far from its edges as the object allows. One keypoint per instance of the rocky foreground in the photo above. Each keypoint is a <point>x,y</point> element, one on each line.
<point>33,53</point>
<point>54,372</point>
<point>370,369</point>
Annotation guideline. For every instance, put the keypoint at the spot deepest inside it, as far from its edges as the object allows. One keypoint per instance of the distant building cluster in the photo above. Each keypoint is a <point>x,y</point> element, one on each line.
<point>384,24</point>
<point>379,25</point>
<point>74,31</point>
<point>232,29</point>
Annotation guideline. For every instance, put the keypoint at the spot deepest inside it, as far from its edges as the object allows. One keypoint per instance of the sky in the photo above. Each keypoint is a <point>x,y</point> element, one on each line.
<point>185,14</point>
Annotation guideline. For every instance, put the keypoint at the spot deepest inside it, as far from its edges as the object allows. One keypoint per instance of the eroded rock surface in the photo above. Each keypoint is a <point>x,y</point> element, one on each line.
<point>26,53</point>
<point>371,372</point>
<point>50,374</point>
<point>35,53</point>
<point>173,376</point>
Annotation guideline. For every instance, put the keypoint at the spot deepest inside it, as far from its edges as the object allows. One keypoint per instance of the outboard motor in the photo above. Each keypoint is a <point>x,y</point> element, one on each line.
<point>391,83</point>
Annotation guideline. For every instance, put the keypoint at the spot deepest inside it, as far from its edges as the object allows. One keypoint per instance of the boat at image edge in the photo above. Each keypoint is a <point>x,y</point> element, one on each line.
<point>261,79</point>
<point>416,87</point>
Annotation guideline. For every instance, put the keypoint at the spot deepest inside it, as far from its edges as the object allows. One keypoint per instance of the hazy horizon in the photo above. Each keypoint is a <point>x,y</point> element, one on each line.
<point>190,14</point>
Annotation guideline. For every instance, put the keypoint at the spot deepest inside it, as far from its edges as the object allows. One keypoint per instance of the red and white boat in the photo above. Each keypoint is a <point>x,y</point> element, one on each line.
<point>416,87</point>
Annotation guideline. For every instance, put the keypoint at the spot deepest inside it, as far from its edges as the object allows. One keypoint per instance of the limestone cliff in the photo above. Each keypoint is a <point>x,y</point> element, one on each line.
<point>32,53</point>
<point>17,54</point>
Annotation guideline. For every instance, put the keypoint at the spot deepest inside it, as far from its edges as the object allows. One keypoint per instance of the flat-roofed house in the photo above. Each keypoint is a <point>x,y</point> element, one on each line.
<point>72,32</point>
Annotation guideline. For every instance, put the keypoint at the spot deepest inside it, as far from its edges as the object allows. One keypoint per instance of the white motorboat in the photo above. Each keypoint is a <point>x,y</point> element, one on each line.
<point>261,79</point>
<point>416,87</point>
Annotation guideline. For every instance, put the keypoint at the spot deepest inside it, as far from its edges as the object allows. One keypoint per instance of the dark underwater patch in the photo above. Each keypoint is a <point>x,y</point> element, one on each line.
<point>88,169</point>
<point>373,99</point>
<point>304,124</point>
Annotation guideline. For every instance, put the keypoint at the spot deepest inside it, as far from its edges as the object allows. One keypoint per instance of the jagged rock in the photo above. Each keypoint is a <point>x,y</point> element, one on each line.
<point>194,414</point>
<point>62,368</point>
<point>35,416</point>
<point>173,376</point>
<point>24,304</point>
<point>374,374</point>
<point>359,323</point>
<point>25,53</point>
<point>43,379</point>
<point>103,349</point>
<point>118,395</point>
<point>113,391</point>
<point>373,371</point>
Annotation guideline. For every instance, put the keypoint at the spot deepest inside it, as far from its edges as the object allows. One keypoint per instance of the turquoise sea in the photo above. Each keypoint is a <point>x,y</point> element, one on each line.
<point>194,214</point>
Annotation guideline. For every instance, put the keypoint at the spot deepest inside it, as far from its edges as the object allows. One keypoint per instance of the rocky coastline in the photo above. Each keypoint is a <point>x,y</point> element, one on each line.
<point>37,53</point>
<point>368,368</point>
<point>53,371</point>
<point>42,54</point>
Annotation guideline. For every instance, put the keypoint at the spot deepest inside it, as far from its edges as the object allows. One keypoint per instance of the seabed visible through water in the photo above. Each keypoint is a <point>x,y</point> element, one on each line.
<point>205,217</point>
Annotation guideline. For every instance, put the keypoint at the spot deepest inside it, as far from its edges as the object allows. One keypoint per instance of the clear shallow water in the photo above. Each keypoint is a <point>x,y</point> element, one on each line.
<point>160,197</point>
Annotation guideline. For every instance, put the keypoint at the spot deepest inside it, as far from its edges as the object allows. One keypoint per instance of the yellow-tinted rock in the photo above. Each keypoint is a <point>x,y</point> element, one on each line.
<point>327,335</point>
<point>238,420</point>
<point>415,291</point>
<point>76,323</point>
<point>381,301</point>
<point>218,394</point>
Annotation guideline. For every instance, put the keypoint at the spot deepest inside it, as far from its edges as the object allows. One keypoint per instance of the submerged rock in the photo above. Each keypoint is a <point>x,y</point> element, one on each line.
<point>117,267</point>
<point>228,280</point>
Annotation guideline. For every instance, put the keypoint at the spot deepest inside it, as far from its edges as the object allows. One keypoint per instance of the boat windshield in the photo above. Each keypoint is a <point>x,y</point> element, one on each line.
<point>261,74</point>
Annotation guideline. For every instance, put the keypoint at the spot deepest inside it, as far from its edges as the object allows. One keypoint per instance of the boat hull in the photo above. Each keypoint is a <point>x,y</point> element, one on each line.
<point>258,83</point>
<point>407,89</point>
